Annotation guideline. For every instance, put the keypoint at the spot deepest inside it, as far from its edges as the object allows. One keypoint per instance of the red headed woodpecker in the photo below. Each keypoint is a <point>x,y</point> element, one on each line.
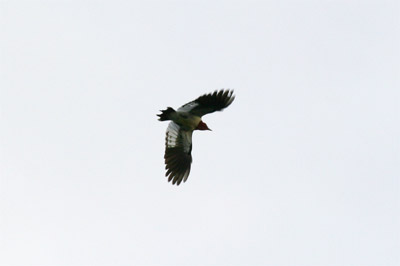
<point>178,142</point>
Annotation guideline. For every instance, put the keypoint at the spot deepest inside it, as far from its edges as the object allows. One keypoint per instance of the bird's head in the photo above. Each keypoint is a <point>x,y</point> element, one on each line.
<point>202,126</point>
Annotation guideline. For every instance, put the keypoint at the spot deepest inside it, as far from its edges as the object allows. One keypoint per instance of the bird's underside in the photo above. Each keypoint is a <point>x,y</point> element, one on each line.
<point>178,141</point>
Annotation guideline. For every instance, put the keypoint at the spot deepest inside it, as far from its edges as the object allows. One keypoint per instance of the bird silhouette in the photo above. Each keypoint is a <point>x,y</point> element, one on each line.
<point>178,141</point>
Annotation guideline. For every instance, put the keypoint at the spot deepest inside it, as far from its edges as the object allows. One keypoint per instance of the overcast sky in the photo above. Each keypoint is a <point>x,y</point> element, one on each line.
<point>302,169</point>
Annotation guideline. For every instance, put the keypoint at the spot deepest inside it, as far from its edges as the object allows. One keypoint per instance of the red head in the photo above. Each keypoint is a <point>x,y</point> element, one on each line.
<point>202,126</point>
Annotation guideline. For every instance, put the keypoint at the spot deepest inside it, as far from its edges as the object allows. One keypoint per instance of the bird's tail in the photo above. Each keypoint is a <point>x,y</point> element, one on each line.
<point>166,114</point>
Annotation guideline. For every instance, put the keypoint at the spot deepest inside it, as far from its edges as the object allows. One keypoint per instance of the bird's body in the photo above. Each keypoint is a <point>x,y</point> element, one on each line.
<point>186,120</point>
<point>178,142</point>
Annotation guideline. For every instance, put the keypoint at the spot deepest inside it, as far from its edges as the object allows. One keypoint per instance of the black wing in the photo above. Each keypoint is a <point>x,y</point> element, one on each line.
<point>178,158</point>
<point>209,103</point>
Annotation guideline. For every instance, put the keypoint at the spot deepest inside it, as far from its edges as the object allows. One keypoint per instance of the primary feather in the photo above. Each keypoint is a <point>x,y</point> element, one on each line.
<point>209,103</point>
<point>178,158</point>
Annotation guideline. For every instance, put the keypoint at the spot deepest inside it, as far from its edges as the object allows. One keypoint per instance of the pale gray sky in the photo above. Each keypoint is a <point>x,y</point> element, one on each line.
<point>302,169</point>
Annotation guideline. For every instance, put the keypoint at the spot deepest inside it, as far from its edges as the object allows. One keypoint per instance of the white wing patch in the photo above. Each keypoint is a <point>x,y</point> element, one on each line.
<point>172,135</point>
<point>178,138</point>
<point>187,107</point>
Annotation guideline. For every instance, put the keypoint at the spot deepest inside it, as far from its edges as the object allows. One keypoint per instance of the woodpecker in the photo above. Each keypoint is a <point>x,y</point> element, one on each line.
<point>178,141</point>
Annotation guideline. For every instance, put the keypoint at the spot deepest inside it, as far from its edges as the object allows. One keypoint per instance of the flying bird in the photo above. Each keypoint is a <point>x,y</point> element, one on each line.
<point>178,141</point>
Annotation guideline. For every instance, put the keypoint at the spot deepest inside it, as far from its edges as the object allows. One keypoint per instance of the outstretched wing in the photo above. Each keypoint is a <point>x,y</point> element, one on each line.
<point>209,103</point>
<point>178,158</point>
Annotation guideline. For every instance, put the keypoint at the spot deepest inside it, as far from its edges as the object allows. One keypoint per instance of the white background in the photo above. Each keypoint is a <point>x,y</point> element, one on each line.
<point>302,169</point>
